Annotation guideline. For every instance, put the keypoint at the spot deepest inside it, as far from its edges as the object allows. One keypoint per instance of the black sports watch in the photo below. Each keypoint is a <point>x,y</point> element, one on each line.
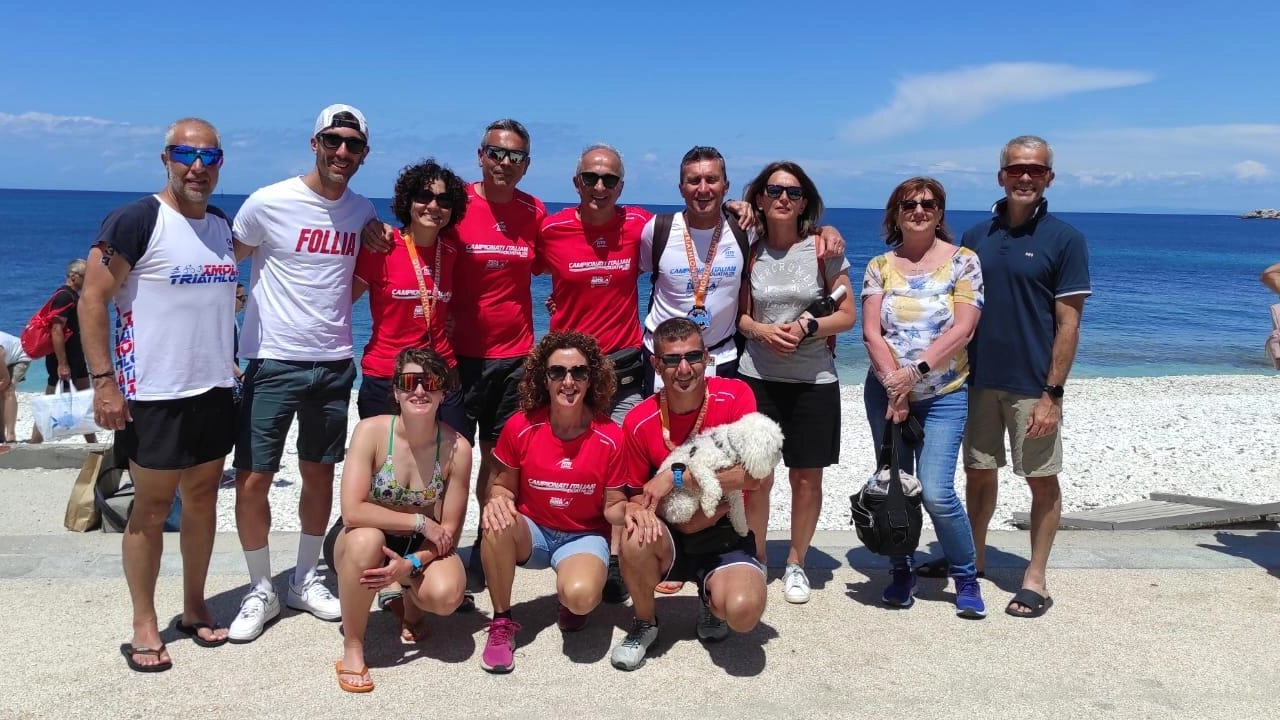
<point>923,367</point>
<point>1055,391</point>
<point>810,327</point>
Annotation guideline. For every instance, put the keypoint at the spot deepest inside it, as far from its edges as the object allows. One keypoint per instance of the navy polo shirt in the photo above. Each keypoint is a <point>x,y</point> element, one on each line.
<point>1024,270</point>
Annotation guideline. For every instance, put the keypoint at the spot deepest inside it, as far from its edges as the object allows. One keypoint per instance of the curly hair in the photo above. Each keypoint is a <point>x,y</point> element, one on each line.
<point>911,186</point>
<point>807,221</point>
<point>431,362</point>
<point>418,177</point>
<point>601,383</point>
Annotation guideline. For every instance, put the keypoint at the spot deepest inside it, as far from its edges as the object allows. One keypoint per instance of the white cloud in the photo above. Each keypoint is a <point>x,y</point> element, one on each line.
<point>957,96</point>
<point>650,157</point>
<point>37,124</point>
<point>1250,170</point>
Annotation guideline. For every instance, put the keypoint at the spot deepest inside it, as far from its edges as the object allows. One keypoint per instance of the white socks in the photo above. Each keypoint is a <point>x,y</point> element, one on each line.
<point>259,562</point>
<point>309,548</point>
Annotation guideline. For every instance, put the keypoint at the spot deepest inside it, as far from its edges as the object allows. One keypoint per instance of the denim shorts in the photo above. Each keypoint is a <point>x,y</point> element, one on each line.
<point>551,547</point>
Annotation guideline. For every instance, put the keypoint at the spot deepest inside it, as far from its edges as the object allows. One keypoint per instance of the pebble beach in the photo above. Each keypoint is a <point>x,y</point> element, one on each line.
<point>1206,435</point>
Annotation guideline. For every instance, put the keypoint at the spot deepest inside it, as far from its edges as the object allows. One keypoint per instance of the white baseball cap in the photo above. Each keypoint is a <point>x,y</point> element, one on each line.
<point>329,119</point>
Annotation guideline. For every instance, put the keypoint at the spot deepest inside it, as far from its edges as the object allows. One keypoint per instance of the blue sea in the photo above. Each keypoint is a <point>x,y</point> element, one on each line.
<point>1172,294</point>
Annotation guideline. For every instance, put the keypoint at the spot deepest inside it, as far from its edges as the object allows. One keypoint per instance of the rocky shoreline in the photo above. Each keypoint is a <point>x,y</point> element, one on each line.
<point>1263,214</point>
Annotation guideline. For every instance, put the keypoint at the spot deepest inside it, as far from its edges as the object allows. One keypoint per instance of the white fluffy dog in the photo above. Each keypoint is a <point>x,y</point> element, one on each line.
<point>753,441</point>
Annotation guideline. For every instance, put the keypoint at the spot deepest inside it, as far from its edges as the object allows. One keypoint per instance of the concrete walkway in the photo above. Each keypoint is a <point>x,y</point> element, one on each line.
<point>1153,624</point>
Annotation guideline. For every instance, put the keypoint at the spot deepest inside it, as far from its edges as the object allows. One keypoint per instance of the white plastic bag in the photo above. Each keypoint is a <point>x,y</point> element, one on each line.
<point>65,413</point>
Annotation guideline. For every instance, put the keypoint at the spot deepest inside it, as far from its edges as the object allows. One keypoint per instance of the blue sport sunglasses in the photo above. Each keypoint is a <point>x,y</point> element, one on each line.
<point>186,154</point>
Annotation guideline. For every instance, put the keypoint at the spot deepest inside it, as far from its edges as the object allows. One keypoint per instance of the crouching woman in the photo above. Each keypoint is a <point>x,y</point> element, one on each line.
<point>404,497</point>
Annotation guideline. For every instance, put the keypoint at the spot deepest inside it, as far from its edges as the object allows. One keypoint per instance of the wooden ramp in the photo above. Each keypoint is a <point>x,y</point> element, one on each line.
<point>1162,511</point>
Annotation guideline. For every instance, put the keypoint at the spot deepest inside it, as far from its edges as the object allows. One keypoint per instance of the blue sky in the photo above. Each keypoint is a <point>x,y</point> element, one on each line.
<point>1165,107</point>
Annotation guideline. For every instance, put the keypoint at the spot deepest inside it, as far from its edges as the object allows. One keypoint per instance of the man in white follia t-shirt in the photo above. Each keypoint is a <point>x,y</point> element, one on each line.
<point>303,234</point>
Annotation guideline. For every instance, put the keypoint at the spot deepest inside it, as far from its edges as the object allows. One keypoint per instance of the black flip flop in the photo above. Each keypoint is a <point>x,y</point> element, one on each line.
<point>193,631</point>
<point>128,650</point>
<point>938,568</point>
<point>1038,603</point>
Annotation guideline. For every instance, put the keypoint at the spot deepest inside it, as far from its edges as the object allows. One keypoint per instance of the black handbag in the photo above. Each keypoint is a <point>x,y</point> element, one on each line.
<point>888,524</point>
<point>628,367</point>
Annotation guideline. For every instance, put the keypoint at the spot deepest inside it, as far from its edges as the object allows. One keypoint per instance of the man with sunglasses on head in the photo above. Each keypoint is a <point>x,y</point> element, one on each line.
<point>169,265</point>
<point>1036,272</point>
<point>705,550</point>
<point>303,234</point>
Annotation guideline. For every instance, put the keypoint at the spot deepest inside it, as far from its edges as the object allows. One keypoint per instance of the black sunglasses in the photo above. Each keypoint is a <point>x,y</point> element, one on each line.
<point>444,200</point>
<point>333,141</point>
<point>927,204</point>
<point>589,180</point>
<point>693,357</point>
<point>1035,171</point>
<point>794,192</point>
<point>498,154</point>
<point>556,373</point>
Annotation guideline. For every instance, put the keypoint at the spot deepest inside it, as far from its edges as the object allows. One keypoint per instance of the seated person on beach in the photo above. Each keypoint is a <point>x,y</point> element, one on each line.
<point>706,550</point>
<point>404,497</point>
<point>546,504</point>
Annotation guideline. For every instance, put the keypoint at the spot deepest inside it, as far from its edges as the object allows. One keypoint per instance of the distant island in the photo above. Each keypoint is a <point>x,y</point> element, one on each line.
<point>1267,214</point>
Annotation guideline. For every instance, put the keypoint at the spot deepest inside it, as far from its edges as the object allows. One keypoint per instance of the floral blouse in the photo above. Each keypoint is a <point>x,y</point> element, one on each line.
<point>917,309</point>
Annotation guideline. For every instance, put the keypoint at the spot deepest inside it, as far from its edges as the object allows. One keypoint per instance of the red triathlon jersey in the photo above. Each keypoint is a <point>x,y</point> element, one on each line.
<point>493,307</point>
<point>729,399</point>
<point>594,270</point>
<point>398,316</point>
<point>562,483</point>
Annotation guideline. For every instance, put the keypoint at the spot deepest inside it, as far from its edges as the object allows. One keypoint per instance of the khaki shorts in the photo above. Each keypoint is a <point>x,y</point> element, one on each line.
<point>18,372</point>
<point>993,414</point>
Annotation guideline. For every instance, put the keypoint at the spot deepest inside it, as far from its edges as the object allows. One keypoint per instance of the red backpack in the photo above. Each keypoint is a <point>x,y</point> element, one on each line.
<point>37,338</point>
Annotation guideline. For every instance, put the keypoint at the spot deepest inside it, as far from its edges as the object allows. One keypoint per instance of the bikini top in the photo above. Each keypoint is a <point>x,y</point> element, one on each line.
<point>384,490</point>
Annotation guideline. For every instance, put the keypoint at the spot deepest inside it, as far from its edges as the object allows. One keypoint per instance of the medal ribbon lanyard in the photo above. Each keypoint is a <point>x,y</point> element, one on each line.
<point>428,300</point>
<point>700,285</point>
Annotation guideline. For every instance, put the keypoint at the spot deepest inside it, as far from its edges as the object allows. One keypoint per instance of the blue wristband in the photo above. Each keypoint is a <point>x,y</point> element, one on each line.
<point>417,564</point>
<point>677,473</point>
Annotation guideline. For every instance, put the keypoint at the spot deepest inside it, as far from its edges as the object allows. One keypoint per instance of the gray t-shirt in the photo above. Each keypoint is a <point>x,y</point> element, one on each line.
<point>783,283</point>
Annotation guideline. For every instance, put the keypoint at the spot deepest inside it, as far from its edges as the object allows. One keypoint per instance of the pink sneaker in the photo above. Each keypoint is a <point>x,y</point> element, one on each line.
<point>500,648</point>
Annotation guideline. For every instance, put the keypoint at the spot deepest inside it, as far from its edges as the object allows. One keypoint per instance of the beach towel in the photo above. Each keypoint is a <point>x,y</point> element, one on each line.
<point>1272,346</point>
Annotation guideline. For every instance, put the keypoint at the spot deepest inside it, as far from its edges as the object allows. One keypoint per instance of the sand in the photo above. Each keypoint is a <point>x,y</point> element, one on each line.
<point>1124,438</point>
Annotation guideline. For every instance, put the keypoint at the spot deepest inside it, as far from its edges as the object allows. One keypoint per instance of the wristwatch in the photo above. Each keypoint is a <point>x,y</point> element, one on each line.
<point>1055,391</point>
<point>923,367</point>
<point>810,327</point>
<point>677,472</point>
<point>417,565</point>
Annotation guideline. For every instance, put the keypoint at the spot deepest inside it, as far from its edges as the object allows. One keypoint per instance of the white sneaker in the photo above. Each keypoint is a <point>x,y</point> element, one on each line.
<point>795,585</point>
<point>258,608</point>
<point>315,598</point>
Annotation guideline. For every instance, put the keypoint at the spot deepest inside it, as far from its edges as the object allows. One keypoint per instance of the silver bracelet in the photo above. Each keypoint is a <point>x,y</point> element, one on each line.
<point>419,523</point>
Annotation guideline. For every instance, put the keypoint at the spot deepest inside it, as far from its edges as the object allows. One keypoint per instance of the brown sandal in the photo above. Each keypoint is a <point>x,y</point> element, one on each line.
<point>409,632</point>
<point>362,672</point>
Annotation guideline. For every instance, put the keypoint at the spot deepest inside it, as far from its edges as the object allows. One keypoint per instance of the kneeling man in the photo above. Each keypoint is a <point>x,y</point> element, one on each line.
<point>731,581</point>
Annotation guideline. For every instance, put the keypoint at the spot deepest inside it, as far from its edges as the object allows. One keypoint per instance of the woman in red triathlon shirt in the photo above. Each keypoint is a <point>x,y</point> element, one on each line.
<point>545,506</point>
<point>411,285</point>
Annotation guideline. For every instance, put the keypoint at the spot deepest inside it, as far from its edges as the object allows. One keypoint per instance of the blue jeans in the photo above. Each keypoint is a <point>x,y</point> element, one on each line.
<point>943,418</point>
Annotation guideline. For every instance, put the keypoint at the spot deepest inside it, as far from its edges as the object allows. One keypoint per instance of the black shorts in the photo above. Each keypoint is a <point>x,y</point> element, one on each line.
<point>697,567</point>
<point>375,399</point>
<point>179,434</point>
<point>402,544</point>
<point>490,394</point>
<point>75,361</point>
<point>810,418</point>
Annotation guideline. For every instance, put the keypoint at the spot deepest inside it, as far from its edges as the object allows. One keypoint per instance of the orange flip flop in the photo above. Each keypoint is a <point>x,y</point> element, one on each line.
<point>357,673</point>
<point>670,587</point>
